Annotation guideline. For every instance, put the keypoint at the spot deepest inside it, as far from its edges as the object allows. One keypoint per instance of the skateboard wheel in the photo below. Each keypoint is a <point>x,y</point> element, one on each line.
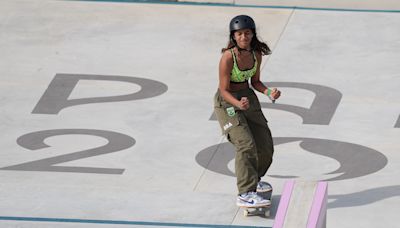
<point>245,213</point>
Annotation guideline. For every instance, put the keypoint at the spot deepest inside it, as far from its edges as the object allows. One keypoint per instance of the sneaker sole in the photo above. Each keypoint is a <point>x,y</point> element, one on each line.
<point>254,206</point>
<point>268,190</point>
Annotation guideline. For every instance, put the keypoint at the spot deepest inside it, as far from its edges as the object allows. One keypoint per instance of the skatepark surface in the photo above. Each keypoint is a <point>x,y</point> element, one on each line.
<point>107,111</point>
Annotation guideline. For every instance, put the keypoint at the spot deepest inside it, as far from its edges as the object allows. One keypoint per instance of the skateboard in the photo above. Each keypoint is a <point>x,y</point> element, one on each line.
<point>263,210</point>
<point>251,211</point>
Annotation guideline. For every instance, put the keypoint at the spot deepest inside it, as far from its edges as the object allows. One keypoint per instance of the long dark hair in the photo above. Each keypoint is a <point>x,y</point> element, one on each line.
<point>256,45</point>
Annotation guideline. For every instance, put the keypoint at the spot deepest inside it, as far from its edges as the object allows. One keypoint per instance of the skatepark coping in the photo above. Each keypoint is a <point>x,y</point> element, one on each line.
<point>255,5</point>
<point>302,204</point>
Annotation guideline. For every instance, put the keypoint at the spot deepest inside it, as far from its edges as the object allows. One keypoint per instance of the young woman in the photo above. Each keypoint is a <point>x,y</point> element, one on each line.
<point>239,112</point>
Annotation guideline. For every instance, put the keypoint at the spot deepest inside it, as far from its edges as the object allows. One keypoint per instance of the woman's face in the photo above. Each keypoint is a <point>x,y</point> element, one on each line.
<point>243,38</point>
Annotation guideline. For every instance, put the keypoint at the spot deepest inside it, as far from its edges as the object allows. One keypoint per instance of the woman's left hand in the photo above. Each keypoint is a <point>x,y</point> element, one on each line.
<point>275,94</point>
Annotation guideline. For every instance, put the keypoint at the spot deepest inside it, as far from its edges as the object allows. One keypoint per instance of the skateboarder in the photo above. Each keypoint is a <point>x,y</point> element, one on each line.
<point>239,112</point>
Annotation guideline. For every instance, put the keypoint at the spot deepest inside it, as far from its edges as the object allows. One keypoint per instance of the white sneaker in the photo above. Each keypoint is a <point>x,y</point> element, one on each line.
<point>263,186</point>
<point>251,199</point>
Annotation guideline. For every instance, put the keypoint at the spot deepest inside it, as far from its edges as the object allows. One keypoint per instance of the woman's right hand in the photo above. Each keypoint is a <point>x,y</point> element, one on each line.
<point>243,103</point>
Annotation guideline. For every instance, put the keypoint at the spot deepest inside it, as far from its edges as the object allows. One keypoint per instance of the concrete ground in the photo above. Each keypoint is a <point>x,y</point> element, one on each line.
<point>107,116</point>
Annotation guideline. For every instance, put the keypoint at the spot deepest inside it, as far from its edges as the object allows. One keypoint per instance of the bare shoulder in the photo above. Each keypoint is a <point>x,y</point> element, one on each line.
<point>227,58</point>
<point>227,55</point>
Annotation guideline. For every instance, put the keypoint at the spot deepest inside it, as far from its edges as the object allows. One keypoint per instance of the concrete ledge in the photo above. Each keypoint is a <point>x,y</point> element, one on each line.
<point>392,6</point>
<point>303,204</point>
<point>210,1</point>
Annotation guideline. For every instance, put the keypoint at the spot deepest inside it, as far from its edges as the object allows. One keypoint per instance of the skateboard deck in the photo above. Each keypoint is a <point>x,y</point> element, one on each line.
<point>263,210</point>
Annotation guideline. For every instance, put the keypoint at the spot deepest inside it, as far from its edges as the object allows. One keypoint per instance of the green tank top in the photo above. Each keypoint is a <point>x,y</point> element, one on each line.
<point>238,75</point>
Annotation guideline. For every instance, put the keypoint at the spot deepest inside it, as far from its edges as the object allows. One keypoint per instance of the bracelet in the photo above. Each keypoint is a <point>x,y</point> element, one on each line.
<point>268,92</point>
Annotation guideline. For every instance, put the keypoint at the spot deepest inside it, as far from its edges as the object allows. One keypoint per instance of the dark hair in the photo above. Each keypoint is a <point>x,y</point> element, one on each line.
<point>255,44</point>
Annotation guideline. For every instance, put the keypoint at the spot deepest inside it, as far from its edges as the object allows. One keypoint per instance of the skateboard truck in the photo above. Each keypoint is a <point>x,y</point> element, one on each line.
<point>264,211</point>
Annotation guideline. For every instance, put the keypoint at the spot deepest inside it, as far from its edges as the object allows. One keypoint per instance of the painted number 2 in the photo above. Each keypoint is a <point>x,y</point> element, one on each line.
<point>56,98</point>
<point>35,141</point>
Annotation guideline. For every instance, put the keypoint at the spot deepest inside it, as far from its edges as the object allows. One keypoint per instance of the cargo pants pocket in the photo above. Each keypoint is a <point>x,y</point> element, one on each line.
<point>227,118</point>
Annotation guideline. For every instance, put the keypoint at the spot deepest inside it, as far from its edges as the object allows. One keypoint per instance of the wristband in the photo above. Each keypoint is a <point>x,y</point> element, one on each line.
<point>269,92</point>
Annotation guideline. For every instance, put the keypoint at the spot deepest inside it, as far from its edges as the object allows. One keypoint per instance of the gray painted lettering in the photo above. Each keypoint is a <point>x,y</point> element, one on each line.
<point>321,110</point>
<point>55,98</point>
<point>397,125</point>
<point>35,141</point>
<point>352,157</point>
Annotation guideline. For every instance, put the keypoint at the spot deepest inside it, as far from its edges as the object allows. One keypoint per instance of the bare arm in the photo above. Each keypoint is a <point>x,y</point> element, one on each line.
<point>259,86</point>
<point>255,80</point>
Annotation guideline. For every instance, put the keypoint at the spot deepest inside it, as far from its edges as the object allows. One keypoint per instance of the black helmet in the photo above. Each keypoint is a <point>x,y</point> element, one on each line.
<point>241,22</point>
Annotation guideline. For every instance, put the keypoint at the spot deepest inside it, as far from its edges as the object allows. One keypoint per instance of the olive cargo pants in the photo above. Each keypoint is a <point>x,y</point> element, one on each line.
<point>248,131</point>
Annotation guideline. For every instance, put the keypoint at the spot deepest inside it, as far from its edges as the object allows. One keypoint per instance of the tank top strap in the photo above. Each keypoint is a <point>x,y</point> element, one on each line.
<point>234,57</point>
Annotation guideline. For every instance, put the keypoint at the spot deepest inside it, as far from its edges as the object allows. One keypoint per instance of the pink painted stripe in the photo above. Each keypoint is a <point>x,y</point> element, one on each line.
<point>283,204</point>
<point>318,208</point>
